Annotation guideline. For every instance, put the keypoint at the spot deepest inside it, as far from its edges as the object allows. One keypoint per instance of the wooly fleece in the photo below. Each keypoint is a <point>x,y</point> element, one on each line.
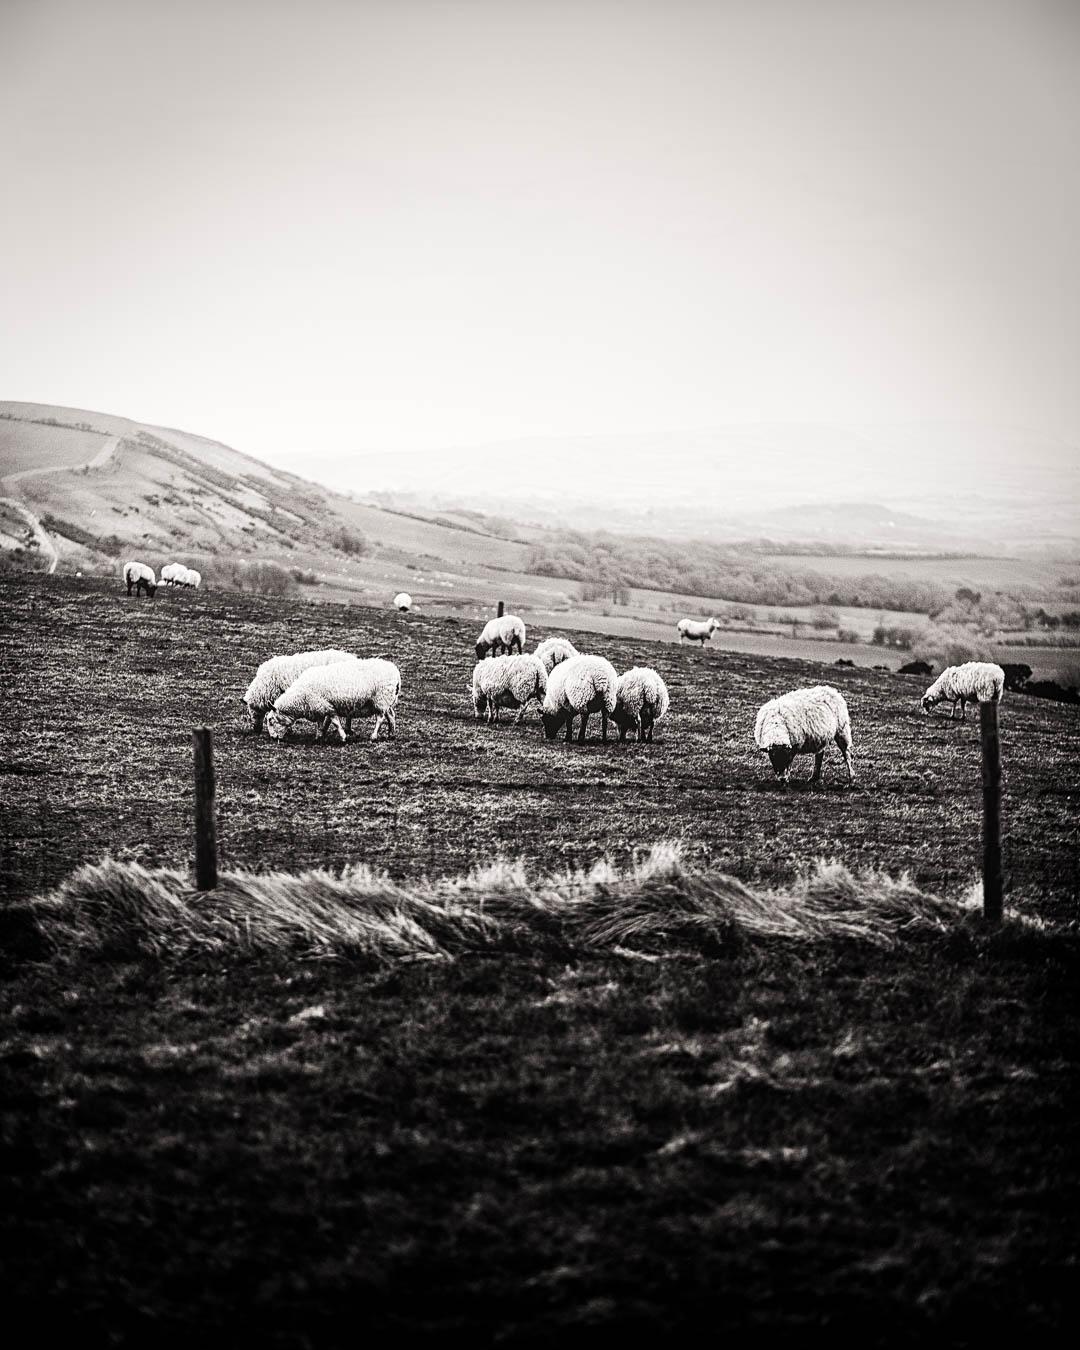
<point>140,576</point>
<point>641,701</point>
<point>172,574</point>
<point>695,631</point>
<point>499,634</point>
<point>578,687</point>
<point>403,600</point>
<point>346,689</point>
<point>274,676</point>
<point>973,682</point>
<point>803,723</point>
<point>554,650</point>
<point>507,682</point>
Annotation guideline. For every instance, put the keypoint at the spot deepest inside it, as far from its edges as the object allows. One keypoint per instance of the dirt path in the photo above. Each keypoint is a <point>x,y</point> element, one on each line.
<point>99,460</point>
<point>44,542</point>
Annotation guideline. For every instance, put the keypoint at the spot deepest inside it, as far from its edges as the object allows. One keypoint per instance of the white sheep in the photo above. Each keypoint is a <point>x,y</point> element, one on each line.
<point>275,675</point>
<point>172,574</point>
<point>501,635</point>
<point>403,601</point>
<point>691,630</point>
<point>140,576</point>
<point>641,700</point>
<point>803,723</point>
<point>973,682</point>
<point>346,689</point>
<point>553,650</point>
<point>507,682</point>
<point>193,579</point>
<point>578,687</point>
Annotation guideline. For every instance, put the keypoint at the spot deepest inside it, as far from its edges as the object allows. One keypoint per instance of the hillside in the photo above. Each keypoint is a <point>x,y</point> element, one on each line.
<point>107,487</point>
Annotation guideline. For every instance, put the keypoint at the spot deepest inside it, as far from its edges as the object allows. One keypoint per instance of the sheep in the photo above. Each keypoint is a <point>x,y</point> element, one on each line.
<point>403,601</point>
<point>346,689</point>
<point>194,579</point>
<point>275,675</point>
<point>553,650</point>
<point>580,686</point>
<point>140,576</point>
<point>641,700</point>
<point>803,723</point>
<point>172,574</point>
<point>507,682</point>
<point>973,682</point>
<point>507,632</point>
<point>692,630</point>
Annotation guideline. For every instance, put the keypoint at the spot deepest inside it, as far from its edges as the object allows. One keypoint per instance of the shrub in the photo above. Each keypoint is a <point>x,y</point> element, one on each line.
<point>260,578</point>
<point>307,578</point>
<point>347,540</point>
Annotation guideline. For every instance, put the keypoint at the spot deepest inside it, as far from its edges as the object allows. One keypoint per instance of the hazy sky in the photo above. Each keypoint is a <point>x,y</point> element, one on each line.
<point>315,227</point>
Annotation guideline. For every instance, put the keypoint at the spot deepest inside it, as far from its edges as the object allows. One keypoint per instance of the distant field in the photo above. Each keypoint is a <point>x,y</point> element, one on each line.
<point>26,445</point>
<point>978,573</point>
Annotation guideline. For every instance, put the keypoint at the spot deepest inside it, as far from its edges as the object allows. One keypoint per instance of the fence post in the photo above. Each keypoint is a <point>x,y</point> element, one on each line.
<point>500,614</point>
<point>205,821</point>
<point>991,782</point>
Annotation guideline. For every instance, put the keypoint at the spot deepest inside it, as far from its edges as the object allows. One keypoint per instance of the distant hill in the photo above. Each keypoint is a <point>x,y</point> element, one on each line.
<point>107,488</point>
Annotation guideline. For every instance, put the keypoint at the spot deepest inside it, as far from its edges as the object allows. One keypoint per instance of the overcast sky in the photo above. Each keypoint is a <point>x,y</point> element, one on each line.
<point>312,228</point>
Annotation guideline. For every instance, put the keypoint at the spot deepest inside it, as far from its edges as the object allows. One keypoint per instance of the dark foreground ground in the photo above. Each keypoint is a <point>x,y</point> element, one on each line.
<point>773,1141</point>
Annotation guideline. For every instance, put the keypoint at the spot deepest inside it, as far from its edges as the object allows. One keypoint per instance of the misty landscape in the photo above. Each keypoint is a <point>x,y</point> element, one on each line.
<point>540,616</point>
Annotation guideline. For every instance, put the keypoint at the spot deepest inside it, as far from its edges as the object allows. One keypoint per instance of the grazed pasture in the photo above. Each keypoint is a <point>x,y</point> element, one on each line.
<point>776,1139</point>
<point>102,693</point>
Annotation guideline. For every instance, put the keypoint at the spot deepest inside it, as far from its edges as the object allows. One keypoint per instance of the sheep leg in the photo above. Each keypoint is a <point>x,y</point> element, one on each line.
<point>603,725</point>
<point>819,760</point>
<point>348,726</point>
<point>845,750</point>
<point>391,722</point>
<point>569,728</point>
<point>584,727</point>
<point>378,724</point>
<point>324,727</point>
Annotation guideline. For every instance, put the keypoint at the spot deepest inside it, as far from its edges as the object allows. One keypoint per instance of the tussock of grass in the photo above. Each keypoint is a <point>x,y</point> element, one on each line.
<point>659,904</point>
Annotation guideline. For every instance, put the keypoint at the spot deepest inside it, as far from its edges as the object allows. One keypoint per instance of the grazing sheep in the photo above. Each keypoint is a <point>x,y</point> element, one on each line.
<point>403,601</point>
<point>194,579</point>
<point>507,682</point>
<point>690,630</point>
<point>172,574</point>
<point>140,576</point>
<point>499,635</point>
<point>553,650</point>
<point>641,700</point>
<point>578,687</point>
<point>973,682</point>
<point>274,676</point>
<point>346,689</point>
<point>803,723</point>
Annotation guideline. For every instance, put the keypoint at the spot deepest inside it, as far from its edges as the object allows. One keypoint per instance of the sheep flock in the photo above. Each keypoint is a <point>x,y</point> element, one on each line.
<point>330,687</point>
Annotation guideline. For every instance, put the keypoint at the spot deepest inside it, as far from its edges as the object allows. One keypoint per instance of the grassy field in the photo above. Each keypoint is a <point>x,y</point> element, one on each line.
<point>765,1136</point>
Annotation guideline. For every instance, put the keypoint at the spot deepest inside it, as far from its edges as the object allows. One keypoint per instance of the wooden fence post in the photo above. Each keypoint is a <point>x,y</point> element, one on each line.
<point>205,820</point>
<point>500,614</point>
<point>991,782</point>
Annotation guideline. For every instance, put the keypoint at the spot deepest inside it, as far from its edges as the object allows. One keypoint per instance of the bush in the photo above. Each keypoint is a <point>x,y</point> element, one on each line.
<point>260,578</point>
<point>304,578</point>
<point>347,540</point>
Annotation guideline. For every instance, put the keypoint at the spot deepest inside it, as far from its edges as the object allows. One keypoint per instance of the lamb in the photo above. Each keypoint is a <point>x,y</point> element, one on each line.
<point>345,689</point>
<point>641,700</point>
<point>507,682</point>
<point>274,676</point>
<point>578,687</point>
<point>803,723</point>
<point>973,682</point>
<point>506,633</point>
<point>553,650</point>
<point>140,576</point>
<point>403,601</point>
<point>693,631</point>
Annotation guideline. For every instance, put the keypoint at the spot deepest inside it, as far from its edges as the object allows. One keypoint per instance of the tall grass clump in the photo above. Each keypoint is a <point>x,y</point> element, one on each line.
<point>122,910</point>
